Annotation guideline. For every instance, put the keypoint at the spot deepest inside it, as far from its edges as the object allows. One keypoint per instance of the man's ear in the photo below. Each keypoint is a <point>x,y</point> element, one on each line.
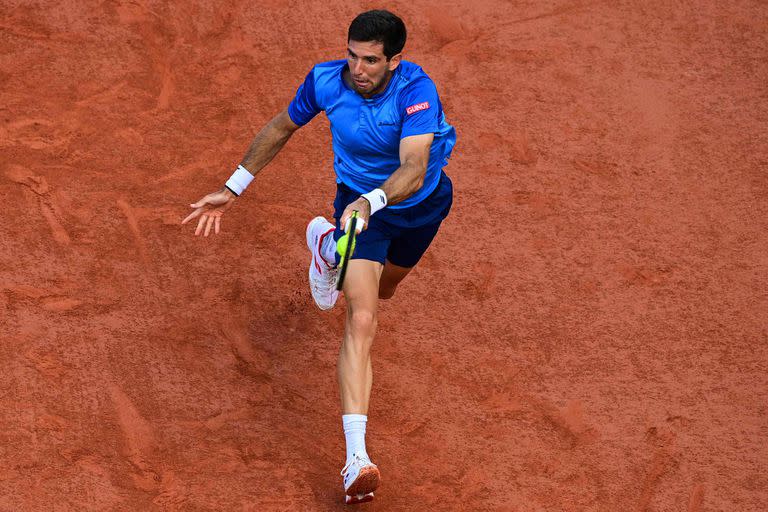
<point>394,61</point>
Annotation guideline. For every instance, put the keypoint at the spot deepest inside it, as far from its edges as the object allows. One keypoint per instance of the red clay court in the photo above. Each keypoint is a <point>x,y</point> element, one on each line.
<point>588,332</point>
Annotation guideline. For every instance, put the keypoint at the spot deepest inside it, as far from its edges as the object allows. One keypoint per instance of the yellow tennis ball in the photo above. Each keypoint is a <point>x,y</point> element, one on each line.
<point>341,245</point>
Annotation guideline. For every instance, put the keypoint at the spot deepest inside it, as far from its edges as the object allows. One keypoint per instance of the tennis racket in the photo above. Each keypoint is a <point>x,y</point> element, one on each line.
<point>351,246</point>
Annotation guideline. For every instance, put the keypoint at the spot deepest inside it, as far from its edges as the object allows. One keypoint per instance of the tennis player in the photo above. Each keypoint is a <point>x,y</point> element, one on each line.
<point>390,143</point>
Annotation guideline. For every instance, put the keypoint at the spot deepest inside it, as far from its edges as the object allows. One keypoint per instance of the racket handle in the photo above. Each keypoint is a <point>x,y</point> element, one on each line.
<point>358,226</point>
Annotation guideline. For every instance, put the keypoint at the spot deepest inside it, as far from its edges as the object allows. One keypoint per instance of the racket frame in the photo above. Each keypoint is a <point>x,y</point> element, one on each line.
<point>351,238</point>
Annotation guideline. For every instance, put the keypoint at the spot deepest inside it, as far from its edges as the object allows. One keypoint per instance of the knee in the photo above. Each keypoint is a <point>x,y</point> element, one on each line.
<point>362,323</point>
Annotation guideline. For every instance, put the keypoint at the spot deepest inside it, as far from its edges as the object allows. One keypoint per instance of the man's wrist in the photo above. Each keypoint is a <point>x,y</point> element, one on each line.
<point>239,181</point>
<point>377,199</point>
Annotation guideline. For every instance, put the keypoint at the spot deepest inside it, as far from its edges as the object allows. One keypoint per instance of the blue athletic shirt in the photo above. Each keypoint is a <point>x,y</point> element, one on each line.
<point>367,132</point>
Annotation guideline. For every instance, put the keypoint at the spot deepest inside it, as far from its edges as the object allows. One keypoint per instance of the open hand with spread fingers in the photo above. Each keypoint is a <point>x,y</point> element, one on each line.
<point>210,209</point>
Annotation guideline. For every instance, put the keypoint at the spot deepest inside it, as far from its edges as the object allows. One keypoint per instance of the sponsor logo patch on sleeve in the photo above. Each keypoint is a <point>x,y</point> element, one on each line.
<point>417,108</point>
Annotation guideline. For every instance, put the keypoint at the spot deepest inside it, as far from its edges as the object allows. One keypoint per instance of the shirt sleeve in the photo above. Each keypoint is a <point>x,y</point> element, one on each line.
<point>420,107</point>
<point>304,105</point>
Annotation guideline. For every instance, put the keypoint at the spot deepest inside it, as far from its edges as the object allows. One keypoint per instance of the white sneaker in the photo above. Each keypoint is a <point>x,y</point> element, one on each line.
<point>322,276</point>
<point>361,478</point>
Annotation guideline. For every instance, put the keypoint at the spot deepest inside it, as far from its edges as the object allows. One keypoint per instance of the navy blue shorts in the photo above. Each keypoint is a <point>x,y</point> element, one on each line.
<point>400,236</point>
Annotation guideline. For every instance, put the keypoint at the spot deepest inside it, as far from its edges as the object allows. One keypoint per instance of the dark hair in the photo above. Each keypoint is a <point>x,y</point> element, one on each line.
<point>381,26</point>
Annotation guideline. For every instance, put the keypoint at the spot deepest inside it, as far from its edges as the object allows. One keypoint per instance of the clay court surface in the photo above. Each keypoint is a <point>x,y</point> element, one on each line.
<point>587,333</point>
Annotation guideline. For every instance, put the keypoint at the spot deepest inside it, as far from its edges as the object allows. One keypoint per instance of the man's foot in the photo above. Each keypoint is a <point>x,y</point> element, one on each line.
<point>322,275</point>
<point>361,478</point>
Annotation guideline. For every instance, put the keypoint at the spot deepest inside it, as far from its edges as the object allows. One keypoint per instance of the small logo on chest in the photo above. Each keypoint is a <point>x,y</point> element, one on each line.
<point>417,108</point>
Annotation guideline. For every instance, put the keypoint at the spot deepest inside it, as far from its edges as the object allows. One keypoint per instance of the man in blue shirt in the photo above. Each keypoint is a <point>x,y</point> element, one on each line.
<point>390,143</point>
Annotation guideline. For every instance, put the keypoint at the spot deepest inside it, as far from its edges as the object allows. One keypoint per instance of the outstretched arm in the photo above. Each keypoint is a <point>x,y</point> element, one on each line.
<point>267,143</point>
<point>405,181</point>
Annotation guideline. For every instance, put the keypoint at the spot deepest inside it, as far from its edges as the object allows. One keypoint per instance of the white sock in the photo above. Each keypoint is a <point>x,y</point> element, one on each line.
<point>328,249</point>
<point>354,431</point>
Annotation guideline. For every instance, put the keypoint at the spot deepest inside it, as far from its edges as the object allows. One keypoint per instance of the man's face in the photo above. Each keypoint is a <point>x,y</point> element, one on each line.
<point>368,67</point>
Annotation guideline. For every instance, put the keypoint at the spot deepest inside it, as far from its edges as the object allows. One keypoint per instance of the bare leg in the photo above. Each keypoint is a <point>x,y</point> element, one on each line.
<point>390,278</point>
<point>354,367</point>
<point>368,380</point>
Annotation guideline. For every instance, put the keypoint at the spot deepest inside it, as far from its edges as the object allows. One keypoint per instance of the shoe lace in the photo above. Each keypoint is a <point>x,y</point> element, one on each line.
<point>356,459</point>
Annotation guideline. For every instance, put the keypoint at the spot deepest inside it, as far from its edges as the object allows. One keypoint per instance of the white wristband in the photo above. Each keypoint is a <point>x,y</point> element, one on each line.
<point>377,198</point>
<point>239,181</point>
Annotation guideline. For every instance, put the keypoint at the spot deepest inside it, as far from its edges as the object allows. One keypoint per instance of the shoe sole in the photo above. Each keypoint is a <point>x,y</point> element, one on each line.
<point>358,498</point>
<point>312,259</point>
<point>366,482</point>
